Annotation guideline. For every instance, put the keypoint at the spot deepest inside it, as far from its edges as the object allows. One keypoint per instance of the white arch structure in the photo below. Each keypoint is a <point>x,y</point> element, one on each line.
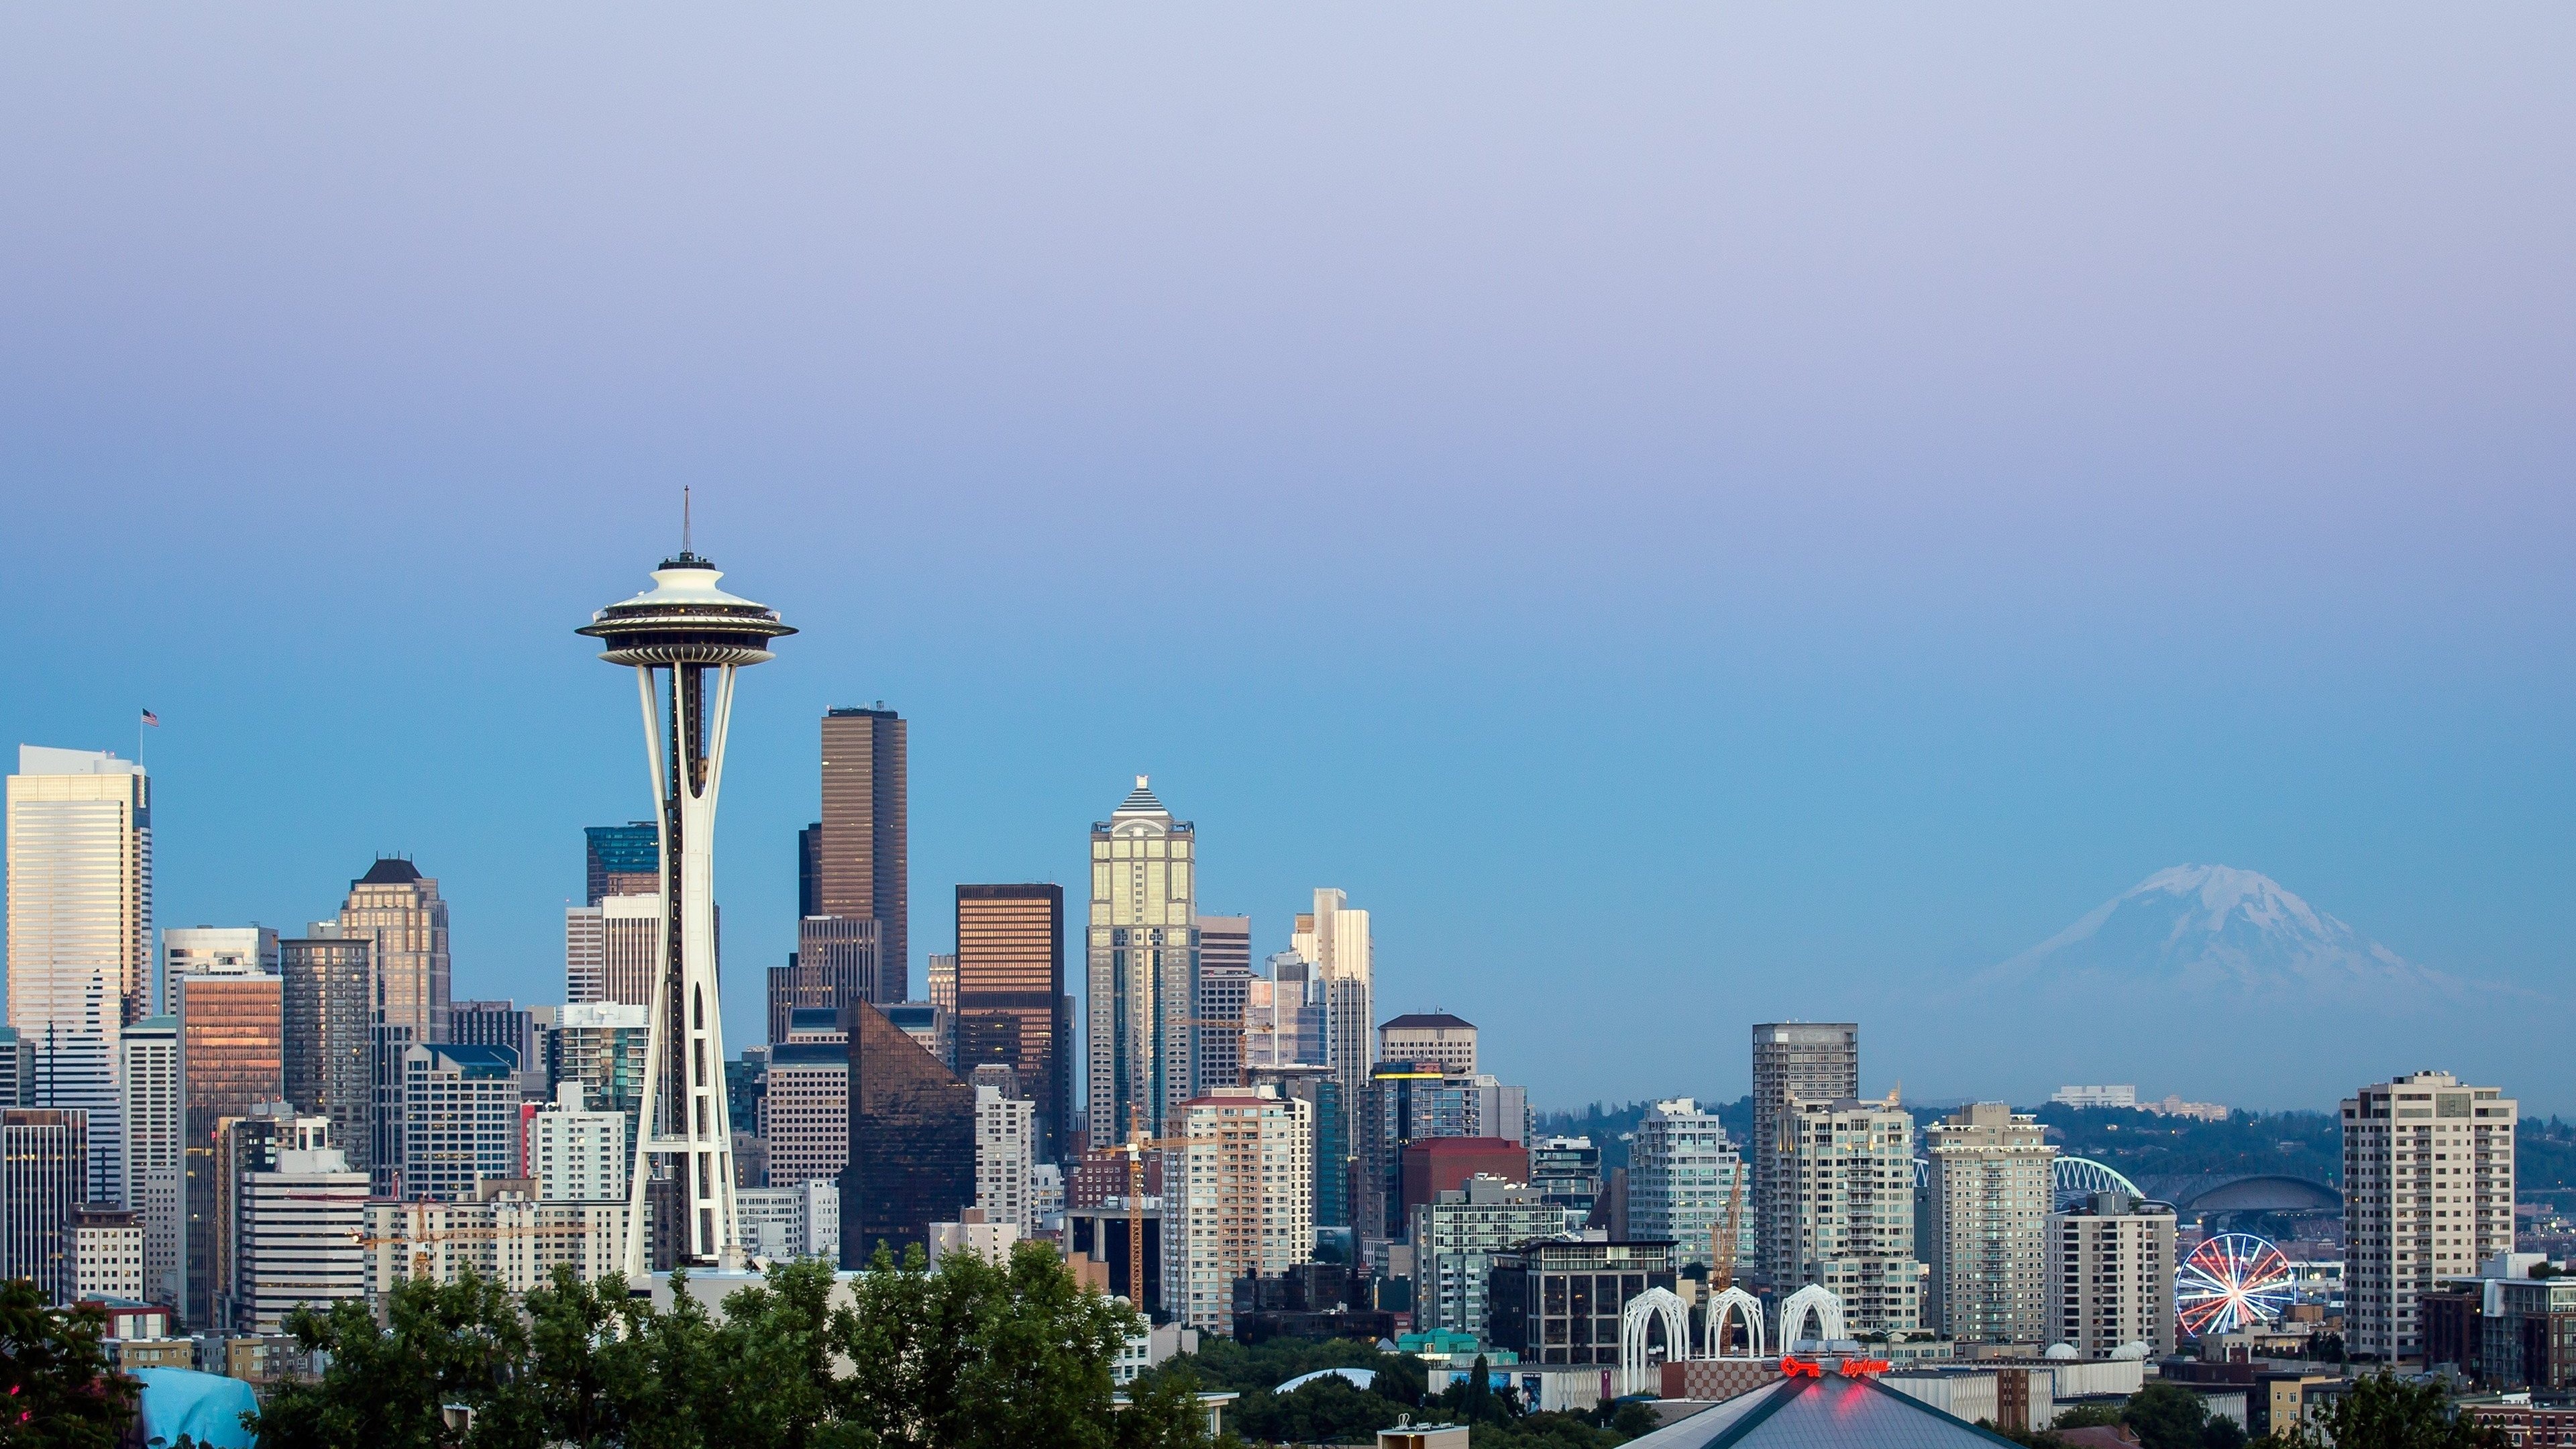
<point>1734,1302</point>
<point>1797,1307</point>
<point>1635,1321</point>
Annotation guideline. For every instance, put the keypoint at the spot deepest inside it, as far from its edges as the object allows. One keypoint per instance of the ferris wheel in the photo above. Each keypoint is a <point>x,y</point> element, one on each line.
<point>2229,1282</point>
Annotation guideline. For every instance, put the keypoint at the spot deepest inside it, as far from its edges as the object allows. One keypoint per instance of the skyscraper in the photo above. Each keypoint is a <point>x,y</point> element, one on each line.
<point>804,1112</point>
<point>1011,1006</point>
<point>44,1156</point>
<point>1429,1036</point>
<point>2428,1178</point>
<point>396,909</point>
<point>232,1032</point>
<point>330,1005</point>
<point>862,865</point>
<point>686,625</point>
<point>1005,1165</point>
<point>1846,1179</point>
<point>80,933</point>
<point>622,860</point>
<point>1336,939</point>
<point>2110,1272</point>
<point>912,1141</point>
<point>1239,1197</point>
<point>1224,989</point>
<point>154,1134</point>
<point>1989,1190</point>
<point>1143,966</point>
<point>1816,1061</point>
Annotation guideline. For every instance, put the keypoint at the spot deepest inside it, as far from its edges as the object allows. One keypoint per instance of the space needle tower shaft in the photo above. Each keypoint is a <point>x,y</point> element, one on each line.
<point>685,639</point>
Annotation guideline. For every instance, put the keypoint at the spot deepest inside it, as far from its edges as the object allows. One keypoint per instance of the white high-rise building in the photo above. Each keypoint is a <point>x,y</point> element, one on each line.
<point>149,1054</point>
<point>2428,1195</point>
<point>1336,939</point>
<point>1005,1158</point>
<point>1684,1178</point>
<point>1239,1200</point>
<point>700,637</point>
<point>2110,1269</point>
<point>80,933</point>
<point>299,1232</point>
<point>1846,1179</point>
<point>106,1253</point>
<point>1455,1239</point>
<point>460,1119</point>
<point>576,1154</point>
<point>1989,1191</point>
<point>1143,966</point>
<point>585,956</point>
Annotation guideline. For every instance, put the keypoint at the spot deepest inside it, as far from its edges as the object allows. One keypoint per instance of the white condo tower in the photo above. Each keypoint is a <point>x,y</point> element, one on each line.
<point>686,625</point>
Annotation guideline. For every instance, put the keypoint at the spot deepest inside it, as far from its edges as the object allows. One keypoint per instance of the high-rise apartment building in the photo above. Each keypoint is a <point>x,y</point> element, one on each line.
<point>1686,1182</point>
<point>80,933</point>
<point>912,1141</point>
<point>214,951</point>
<point>154,1134</point>
<point>1010,1005</point>
<point>1988,1193</point>
<point>629,951</point>
<point>460,1118</point>
<point>2428,1195</point>
<point>577,1154</point>
<point>782,1223</point>
<point>397,911</point>
<point>1143,966</point>
<point>232,1034</point>
<point>1238,1196</point>
<point>1429,1036</point>
<point>1847,1184</point>
<point>1336,940</point>
<point>2110,1268</point>
<point>1005,1157</point>
<point>622,860</point>
<point>44,1175</point>
<point>1456,1238</point>
<point>862,870</point>
<point>1224,989</point>
<point>1792,1060</point>
<point>330,1005</point>
<point>1567,1172</point>
<point>805,1112</point>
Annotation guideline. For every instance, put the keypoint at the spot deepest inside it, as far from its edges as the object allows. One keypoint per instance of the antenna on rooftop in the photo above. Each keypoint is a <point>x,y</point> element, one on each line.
<point>684,518</point>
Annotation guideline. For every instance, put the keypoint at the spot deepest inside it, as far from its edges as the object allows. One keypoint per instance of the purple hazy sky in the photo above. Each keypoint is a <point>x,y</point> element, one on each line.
<point>1690,514</point>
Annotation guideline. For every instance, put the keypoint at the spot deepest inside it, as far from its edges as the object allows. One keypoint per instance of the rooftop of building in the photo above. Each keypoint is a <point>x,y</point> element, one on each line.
<point>477,1059</point>
<point>1427,1021</point>
<point>1824,1406</point>
<point>390,870</point>
<point>1141,801</point>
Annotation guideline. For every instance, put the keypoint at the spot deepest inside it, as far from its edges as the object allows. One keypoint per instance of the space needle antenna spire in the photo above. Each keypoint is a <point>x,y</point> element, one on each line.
<point>685,639</point>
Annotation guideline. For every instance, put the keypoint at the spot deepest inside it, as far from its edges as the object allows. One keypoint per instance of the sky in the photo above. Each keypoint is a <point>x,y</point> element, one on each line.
<point>1691,515</point>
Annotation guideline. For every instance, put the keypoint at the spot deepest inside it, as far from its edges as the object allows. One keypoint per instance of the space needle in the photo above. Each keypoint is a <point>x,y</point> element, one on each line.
<point>688,627</point>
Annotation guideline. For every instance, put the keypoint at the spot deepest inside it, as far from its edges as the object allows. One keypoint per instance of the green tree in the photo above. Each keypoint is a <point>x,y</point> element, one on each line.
<point>2166,1416</point>
<point>1163,1412</point>
<point>57,1386</point>
<point>2382,1412</point>
<point>441,1343</point>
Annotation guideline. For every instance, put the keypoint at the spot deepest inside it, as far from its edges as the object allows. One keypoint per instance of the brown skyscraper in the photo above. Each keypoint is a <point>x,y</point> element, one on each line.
<point>862,863</point>
<point>231,1055</point>
<point>1011,1006</point>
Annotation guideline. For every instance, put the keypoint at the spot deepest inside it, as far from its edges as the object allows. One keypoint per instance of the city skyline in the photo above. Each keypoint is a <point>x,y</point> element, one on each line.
<point>2111,450</point>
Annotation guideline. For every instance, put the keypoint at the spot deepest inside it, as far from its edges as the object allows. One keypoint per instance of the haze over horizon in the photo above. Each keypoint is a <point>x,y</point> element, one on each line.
<point>1690,517</point>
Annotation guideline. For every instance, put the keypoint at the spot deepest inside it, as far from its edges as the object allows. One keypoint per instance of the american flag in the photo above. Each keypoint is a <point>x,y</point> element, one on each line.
<point>152,719</point>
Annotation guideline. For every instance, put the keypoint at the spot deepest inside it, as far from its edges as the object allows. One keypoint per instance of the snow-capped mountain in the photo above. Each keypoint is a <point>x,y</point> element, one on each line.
<point>2213,926</point>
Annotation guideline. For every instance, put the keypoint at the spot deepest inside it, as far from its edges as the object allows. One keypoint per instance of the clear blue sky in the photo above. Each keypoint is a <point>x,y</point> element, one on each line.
<point>1691,514</point>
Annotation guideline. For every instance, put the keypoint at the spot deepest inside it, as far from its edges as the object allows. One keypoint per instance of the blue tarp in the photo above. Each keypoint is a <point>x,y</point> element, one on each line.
<point>206,1407</point>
